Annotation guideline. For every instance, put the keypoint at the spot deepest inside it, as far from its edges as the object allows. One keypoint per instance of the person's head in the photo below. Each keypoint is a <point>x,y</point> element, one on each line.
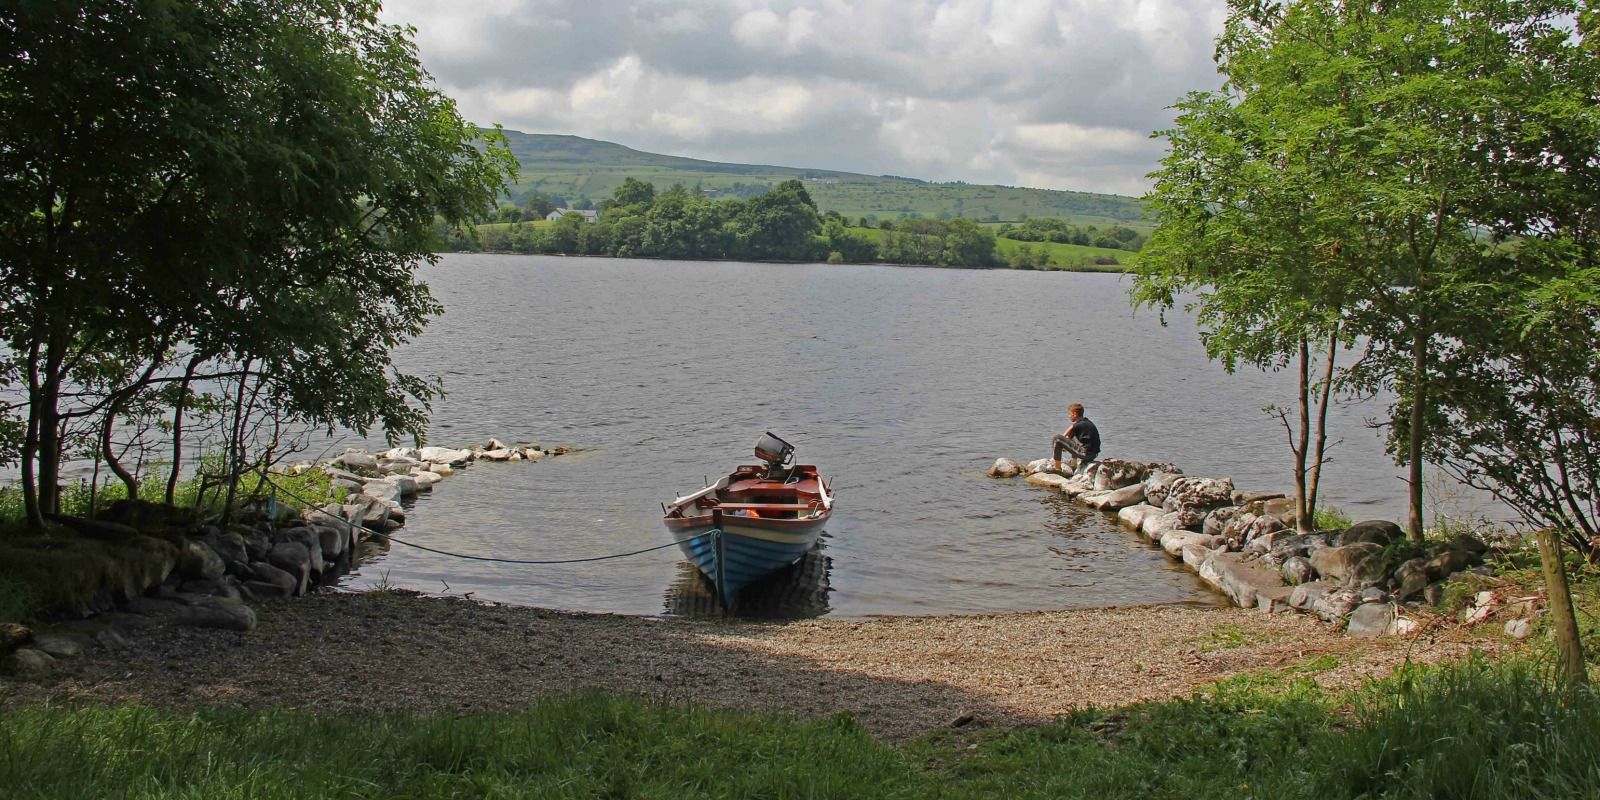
<point>1075,410</point>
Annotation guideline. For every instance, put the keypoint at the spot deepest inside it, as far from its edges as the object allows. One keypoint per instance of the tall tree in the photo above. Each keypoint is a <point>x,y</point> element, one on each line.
<point>252,181</point>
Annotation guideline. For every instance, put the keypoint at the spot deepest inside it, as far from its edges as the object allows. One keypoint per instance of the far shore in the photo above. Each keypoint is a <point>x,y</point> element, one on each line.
<point>1108,269</point>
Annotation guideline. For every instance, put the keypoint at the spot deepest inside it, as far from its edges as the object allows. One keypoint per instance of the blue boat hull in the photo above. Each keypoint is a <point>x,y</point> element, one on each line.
<point>748,552</point>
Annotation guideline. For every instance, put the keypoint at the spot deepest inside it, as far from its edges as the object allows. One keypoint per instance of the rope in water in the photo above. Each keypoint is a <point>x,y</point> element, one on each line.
<point>306,504</point>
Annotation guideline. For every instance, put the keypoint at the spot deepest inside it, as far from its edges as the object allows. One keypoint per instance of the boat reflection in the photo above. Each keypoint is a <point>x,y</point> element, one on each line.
<point>798,591</point>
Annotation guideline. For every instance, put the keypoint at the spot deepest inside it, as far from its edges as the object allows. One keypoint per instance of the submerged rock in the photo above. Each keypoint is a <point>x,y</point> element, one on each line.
<point>1005,468</point>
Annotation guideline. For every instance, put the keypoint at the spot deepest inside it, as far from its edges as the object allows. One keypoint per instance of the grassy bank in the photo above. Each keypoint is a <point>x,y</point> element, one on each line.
<point>1470,730</point>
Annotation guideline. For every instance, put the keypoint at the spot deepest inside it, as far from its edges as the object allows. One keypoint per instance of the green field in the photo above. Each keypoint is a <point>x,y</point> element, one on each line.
<point>578,169</point>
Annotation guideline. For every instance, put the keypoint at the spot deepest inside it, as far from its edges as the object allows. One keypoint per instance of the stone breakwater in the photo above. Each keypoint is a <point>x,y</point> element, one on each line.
<point>1245,545</point>
<point>203,575</point>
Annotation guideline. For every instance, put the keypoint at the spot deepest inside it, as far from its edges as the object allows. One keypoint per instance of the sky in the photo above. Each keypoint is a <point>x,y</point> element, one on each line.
<point>1054,94</point>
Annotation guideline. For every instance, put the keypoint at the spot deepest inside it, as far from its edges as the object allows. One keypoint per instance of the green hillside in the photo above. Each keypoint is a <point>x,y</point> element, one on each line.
<point>577,169</point>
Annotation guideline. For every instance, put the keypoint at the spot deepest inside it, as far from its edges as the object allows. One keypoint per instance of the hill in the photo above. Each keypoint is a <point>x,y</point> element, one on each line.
<point>578,169</point>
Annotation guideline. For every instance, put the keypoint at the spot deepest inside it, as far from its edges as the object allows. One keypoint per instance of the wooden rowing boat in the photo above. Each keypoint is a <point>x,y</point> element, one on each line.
<point>753,521</point>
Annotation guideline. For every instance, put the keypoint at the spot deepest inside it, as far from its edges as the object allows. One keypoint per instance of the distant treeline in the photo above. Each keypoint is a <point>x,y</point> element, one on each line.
<point>780,225</point>
<point>1114,237</point>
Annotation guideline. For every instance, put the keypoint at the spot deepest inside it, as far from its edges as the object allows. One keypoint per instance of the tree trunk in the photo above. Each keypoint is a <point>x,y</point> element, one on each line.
<point>50,444</point>
<point>1569,647</point>
<point>1320,451</point>
<point>1419,399</point>
<point>1303,511</point>
<point>30,445</point>
<point>235,444</point>
<point>128,479</point>
<point>177,428</point>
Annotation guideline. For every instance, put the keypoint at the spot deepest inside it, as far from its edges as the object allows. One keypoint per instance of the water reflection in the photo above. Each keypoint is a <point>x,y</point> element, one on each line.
<point>798,591</point>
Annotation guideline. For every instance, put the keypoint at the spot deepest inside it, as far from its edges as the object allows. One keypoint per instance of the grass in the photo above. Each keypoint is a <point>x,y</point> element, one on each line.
<point>1472,730</point>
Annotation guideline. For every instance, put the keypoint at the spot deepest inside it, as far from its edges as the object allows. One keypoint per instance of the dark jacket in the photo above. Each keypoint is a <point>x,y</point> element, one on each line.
<point>1087,434</point>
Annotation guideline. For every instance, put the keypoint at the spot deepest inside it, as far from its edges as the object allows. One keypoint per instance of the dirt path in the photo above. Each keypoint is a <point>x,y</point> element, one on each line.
<point>900,676</point>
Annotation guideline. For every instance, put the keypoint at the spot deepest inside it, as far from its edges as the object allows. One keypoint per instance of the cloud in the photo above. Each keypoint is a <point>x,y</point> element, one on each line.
<point>1052,93</point>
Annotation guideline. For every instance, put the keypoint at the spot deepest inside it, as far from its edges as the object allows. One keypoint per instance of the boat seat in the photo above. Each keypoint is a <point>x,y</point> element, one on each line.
<point>766,506</point>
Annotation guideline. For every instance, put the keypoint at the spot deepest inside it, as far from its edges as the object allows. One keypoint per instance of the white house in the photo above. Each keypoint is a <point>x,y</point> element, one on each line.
<point>588,215</point>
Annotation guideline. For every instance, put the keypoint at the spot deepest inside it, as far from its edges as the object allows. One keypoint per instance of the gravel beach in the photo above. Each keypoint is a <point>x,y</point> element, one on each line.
<point>899,676</point>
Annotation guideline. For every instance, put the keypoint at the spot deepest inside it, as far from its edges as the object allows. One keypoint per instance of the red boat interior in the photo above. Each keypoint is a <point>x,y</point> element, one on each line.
<point>750,494</point>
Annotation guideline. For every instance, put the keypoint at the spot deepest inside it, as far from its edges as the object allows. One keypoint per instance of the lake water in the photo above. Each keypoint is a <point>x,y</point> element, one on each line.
<point>903,384</point>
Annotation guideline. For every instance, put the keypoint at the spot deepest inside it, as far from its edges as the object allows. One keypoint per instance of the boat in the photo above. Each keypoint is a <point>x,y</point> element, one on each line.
<point>752,522</point>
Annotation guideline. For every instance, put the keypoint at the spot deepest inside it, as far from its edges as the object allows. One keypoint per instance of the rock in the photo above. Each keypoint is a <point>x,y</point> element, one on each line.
<point>1375,531</point>
<point>13,635</point>
<point>535,454</point>
<point>1519,628</point>
<point>1195,555</point>
<point>61,645</point>
<point>1447,563</point>
<point>425,479</point>
<point>1243,581</point>
<point>1174,541</point>
<point>261,590</point>
<point>1039,465</point>
<point>1305,596</point>
<point>962,720</point>
<point>256,545</point>
<point>1114,499</point>
<point>1115,473</point>
<point>1335,605</point>
<point>1189,517</point>
<point>385,490</point>
<point>1371,620</point>
<point>1296,570</point>
<point>444,455</point>
<point>1199,493</point>
<point>225,614</point>
<point>397,453</point>
<point>1284,508</point>
<point>500,454</point>
<point>1433,594</point>
<point>1261,525</point>
<point>228,545</point>
<point>196,561</point>
<point>1134,516</point>
<point>1158,484</point>
<point>217,588</point>
<point>27,661</point>
<point>148,605</point>
<point>112,639</point>
<point>1374,594</point>
<point>1005,468</point>
<point>331,541</point>
<point>293,558</point>
<point>1049,480</point>
<point>1469,544</point>
<point>307,537</point>
<point>442,470</point>
<point>1157,525</point>
<point>1246,498</point>
<point>1218,519</point>
<point>1352,563</point>
<point>358,459</point>
<point>1412,577</point>
<point>1402,626</point>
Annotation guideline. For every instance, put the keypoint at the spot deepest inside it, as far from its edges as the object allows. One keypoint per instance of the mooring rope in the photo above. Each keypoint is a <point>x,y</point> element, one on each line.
<point>306,504</point>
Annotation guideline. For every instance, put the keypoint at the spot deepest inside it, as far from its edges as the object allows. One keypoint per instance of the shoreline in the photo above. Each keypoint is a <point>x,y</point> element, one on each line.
<point>901,677</point>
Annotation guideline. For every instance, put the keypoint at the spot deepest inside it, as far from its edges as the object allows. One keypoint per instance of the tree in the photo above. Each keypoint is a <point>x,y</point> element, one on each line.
<point>966,243</point>
<point>538,205</point>
<point>1377,134</point>
<point>780,224</point>
<point>634,192</point>
<point>237,183</point>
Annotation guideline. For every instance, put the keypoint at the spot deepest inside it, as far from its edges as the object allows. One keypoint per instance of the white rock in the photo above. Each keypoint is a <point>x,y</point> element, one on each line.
<point>498,454</point>
<point>1134,516</point>
<point>444,455</point>
<point>1519,628</point>
<point>425,479</point>
<point>1005,468</point>
<point>1048,480</point>
<point>1157,525</point>
<point>1175,540</point>
<point>1402,626</point>
<point>398,453</point>
<point>535,454</point>
<point>442,470</point>
<point>1115,499</point>
<point>495,444</point>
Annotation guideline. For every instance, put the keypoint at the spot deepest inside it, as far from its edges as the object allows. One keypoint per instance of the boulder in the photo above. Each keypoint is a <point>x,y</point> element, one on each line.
<point>1002,468</point>
<point>1200,494</point>
<point>1469,544</point>
<point>442,470</point>
<point>331,541</point>
<point>1284,508</point>
<point>1335,605</point>
<point>1114,499</point>
<point>1352,563</point>
<point>1190,517</point>
<point>1158,485</point>
<point>1218,519</point>
<point>358,460</point>
<point>1374,594</point>
<point>293,558</point>
<point>1374,531</point>
<point>495,444</point>
<point>256,545</point>
<point>385,490</point>
<point>307,537</point>
<point>262,572</point>
<point>61,645</point>
<point>396,453</point>
<point>407,485</point>
<point>27,661</point>
<point>1241,498</point>
<point>261,590</point>
<point>425,479</point>
<point>1411,577</point>
<point>1195,555</point>
<point>1049,480</point>
<point>1174,541</point>
<point>1134,516</point>
<point>1296,570</point>
<point>228,545</point>
<point>444,455</point>
<point>1115,473</point>
<point>1242,580</point>
<point>499,454</point>
<point>1371,620</point>
<point>1305,596</point>
<point>219,613</point>
<point>535,454</point>
<point>1448,563</point>
<point>1157,525</point>
<point>196,561</point>
<point>220,588</point>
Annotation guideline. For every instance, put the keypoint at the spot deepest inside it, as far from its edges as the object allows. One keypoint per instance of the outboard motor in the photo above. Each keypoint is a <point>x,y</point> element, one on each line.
<point>777,453</point>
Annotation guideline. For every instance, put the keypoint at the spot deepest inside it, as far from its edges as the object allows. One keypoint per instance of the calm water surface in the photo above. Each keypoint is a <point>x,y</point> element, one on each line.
<point>902,384</point>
